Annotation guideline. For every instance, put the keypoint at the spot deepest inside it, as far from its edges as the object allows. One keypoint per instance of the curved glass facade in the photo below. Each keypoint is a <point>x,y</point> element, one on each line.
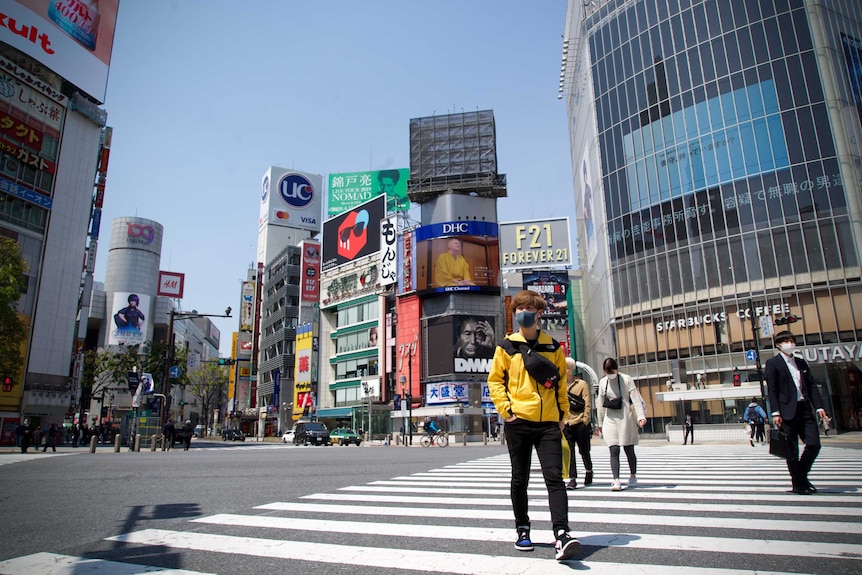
<point>730,183</point>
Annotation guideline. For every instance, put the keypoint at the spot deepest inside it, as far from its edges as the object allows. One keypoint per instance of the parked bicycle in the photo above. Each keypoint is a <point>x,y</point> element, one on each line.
<point>438,439</point>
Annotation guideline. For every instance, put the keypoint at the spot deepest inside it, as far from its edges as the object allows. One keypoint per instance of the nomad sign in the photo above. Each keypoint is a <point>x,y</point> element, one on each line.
<point>536,244</point>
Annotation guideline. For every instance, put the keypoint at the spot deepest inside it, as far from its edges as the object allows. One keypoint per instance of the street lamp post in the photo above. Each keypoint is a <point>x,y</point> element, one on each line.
<point>366,387</point>
<point>169,354</point>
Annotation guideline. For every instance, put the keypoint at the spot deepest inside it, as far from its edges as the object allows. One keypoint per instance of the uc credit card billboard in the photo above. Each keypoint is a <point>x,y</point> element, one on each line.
<point>291,199</point>
<point>353,234</point>
<point>458,256</point>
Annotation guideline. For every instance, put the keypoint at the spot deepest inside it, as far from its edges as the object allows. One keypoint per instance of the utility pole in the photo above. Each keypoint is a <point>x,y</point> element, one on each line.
<point>754,330</point>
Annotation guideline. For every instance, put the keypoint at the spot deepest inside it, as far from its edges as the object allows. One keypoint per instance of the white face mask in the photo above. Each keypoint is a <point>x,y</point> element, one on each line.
<point>787,347</point>
<point>612,376</point>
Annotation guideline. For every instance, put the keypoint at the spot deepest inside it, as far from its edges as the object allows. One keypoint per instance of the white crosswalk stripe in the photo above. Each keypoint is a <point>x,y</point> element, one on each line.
<point>716,510</point>
<point>19,457</point>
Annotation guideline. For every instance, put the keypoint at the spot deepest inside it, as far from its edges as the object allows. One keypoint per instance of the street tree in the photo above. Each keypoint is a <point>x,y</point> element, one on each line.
<point>208,384</point>
<point>12,328</point>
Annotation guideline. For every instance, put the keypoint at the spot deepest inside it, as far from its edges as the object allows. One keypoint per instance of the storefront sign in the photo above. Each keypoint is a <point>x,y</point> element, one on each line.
<point>710,318</point>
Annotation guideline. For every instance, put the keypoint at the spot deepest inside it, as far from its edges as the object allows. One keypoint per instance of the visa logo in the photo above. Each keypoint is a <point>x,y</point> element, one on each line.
<point>307,220</point>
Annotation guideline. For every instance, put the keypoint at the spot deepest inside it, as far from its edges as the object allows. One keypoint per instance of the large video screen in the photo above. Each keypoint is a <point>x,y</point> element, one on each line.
<point>473,341</point>
<point>352,234</point>
<point>458,257</point>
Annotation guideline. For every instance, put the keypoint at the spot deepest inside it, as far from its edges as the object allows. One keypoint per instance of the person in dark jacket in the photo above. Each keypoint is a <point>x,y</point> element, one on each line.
<point>188,430</point>
<point>794,399</point>
<point>170,433</point>
<point>688,429</point>
<point>26,436</point>
<point>51,439</point>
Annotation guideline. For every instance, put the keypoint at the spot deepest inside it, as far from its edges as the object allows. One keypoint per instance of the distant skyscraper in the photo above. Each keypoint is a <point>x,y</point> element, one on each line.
<point>716,154</point>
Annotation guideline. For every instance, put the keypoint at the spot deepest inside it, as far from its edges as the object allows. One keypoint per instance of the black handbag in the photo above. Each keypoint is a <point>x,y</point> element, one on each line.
<point>540,368</point>
<point>577,404</point>
<point>779,443</point>
<point>613,402</point>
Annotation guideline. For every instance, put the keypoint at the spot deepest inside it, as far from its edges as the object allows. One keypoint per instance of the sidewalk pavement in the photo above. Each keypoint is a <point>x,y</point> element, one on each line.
<point>847,439</point>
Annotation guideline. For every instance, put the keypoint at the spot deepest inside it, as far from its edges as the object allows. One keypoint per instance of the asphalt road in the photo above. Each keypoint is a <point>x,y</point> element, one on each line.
<point>70,503</point>
<point>237,509</point>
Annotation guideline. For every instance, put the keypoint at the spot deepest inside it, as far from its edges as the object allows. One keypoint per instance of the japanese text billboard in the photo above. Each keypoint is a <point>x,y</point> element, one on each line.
<point>74,38</point>
<point>348,190</point>
<point>310,283</point>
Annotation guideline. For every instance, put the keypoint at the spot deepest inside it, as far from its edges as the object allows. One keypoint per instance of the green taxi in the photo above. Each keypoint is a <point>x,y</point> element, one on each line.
<point>344,436</point>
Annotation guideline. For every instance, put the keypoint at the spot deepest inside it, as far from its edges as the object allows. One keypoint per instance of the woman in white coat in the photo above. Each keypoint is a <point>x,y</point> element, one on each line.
<point>618,396</point>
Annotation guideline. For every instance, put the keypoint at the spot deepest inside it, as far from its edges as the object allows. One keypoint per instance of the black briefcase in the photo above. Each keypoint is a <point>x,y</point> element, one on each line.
<point>779,443</point>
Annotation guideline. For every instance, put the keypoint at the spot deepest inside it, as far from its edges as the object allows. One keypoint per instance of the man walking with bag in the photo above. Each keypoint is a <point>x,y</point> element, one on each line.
<point>793,399</point>
<point>527,385</point>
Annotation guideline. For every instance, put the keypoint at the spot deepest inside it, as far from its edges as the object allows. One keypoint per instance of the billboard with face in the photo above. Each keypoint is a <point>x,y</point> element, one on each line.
<point>129,312</point>
<point>458,256</point>
<point>348,190</point>
<point>74,38</point>
<point>353,234</point>
<point>473,340</point>
<point>291,199</point>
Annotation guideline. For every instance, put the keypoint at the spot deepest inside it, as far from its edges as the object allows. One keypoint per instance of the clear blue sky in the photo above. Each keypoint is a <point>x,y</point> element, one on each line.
<point>205,95</point>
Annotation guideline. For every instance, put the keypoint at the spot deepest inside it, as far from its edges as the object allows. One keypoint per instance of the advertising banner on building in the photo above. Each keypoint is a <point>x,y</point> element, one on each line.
<point>348,190</point>
<point>473,342</point>
<point>291,199</point>
<point>246,307</point>
<point>74,38</point>
<point>45,105</point>
<point>554,287</point>
<point>853,58</point>
<point>353,234</point>
<point>406,263</point>
<point>536,243</point>
<point>451,392</point>
<point>458,256</point>
<point>302,396</point>
<point>310,282</point>
<point>171,284</point>
<point>388,252</point>
<point>129,313</point>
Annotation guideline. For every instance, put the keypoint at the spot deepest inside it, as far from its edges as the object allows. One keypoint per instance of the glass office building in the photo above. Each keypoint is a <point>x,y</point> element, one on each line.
<point>716,154</point>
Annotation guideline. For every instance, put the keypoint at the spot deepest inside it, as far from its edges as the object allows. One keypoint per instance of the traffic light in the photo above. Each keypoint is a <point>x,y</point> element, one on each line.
<point>226,361</point>
<point>786,320</point>
<point>7,383</point>
<point>737,381</point>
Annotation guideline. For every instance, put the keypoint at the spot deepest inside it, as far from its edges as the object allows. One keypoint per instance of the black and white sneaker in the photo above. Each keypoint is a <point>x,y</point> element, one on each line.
<point>571,485</point>
<point>567,547</point>
<point>523,543</point>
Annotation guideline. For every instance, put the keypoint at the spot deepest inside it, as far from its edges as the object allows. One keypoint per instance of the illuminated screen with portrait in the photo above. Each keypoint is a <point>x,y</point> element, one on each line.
<point>458,257</point>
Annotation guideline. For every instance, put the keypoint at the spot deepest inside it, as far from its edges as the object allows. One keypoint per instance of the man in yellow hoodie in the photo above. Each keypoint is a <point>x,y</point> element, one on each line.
<point>535,413</point>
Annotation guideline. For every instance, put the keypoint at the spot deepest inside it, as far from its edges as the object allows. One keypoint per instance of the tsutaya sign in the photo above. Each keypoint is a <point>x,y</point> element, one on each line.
<point>721,316</point>
<point>831,353</point>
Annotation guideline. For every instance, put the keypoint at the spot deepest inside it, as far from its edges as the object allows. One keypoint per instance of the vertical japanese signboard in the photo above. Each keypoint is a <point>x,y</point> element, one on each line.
<point>388,253</point>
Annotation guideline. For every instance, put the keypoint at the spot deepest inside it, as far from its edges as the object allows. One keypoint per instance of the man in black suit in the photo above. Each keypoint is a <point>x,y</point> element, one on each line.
<point>792,395</point>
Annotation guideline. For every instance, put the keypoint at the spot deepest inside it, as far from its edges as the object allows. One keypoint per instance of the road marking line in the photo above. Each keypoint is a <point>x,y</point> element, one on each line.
<point>597,491</point>
<point>595,539</point>
<point>389,558</point>
<point>55,564</point>
<point>581,504</point>
<point>623,518</point>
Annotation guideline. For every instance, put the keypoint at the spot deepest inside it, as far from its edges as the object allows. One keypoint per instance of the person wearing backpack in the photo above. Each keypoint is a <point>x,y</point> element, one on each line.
<point>579,429</point>
<point>755,417</point>
<point>526,384</point>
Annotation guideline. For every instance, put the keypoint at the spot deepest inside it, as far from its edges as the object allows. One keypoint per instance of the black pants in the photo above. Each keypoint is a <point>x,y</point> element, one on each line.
<point>579,434</point>
<point>521,437</point>
<point>688,431</point>
<point>804,427</point>
<point>630,457</point>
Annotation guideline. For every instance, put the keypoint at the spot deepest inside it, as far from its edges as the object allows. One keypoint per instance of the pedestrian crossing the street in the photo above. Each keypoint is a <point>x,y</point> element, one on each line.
<point>708,510</point>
